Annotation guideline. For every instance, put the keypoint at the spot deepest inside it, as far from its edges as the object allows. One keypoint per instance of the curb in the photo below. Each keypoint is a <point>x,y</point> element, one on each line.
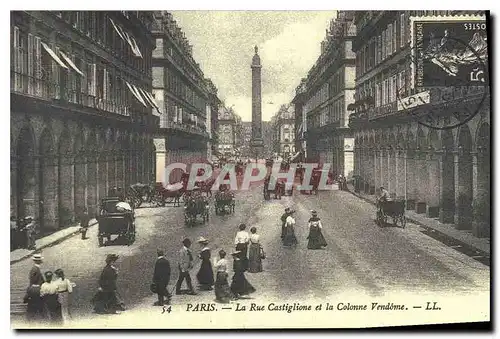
<point>429,228</point>
<point>55,242</point>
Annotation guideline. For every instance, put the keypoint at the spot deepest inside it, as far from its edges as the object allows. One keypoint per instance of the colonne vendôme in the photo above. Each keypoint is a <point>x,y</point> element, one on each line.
<point>255,172</point>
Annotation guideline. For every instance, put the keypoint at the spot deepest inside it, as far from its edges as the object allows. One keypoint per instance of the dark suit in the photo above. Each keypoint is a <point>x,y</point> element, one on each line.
<point>161,277</point>
<point>36,276</point>
<point>107,300</point>
<point>283,222</point>
<point>35,309</point>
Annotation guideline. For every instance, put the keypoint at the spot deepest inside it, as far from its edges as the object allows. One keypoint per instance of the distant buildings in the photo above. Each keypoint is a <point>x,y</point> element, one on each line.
<point>322,99</point>
<point>283,126</point>
<point>188,102</point>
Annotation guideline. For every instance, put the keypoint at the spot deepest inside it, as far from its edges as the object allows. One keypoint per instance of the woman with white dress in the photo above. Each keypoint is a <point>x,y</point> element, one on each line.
<point>222,291</point>
<point>241,243</point>
<point>64,288</point>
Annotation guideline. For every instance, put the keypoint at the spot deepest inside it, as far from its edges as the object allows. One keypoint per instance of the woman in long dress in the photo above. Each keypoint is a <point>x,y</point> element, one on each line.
<point>64,288</point>
<point>205,275</point>
<point>48,292</point>
<point>240,285</point>
<point>316,239</point>
<point>222,290</point>
<point>241,243</point>
<point>290,239</point>
<point>254,259</point>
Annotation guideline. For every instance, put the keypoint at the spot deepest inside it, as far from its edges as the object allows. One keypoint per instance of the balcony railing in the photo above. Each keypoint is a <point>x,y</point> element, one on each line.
<point>187,128</point>
<point>44,89</point>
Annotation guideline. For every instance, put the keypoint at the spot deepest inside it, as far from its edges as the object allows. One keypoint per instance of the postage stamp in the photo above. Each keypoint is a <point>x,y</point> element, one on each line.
<point>449,62</point>
<point>450,51</point>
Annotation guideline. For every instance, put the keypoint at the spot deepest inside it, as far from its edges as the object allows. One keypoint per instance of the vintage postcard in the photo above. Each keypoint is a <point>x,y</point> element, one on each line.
<point>249,169</point>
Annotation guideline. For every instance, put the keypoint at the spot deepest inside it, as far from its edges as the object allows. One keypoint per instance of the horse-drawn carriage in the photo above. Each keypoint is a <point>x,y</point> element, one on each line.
<point>195,206</point>
<point>224,202</point>
<point>393,209</point>
<point>167,194</point>
<point>278,190</point>
<point>115,218</point>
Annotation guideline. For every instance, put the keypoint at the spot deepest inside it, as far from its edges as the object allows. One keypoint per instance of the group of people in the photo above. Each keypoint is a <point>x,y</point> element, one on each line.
<point>22,233</point>
<point>316,240</point>
<point>247,256</point>
<point>47,296</point>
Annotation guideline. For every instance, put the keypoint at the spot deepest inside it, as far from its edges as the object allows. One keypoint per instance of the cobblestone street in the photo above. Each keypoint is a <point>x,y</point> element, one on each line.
<point>361,258</point>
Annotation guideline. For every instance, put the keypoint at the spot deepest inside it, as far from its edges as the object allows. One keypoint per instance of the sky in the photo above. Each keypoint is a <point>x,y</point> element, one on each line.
<point>223,42</point>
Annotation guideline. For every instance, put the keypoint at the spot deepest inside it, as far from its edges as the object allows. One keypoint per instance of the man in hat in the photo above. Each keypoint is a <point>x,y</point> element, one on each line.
<point>108,302</point>
<point>283,221</point>
<point>29,229</point>
<point>84,222</point>
<point>185,265</point>
<point>35,309</point>
<point>161,278</point>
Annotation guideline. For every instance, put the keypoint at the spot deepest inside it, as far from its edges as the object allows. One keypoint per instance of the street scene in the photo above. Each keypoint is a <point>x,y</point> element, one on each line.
<point>352,190</point>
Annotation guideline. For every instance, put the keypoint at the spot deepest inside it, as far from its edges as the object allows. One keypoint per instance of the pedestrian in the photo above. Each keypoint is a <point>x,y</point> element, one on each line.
<point>35,309</point>
<point>241,241</point>
<point>161,278</point>
<point>205,275</point>
<point>240,285</point>
<point>254,252</point>
<point>315,237</point>
<point>106,301</point>
<point>185,266</point>
<point>283,222</point>
<point>29,230</point>
<point>64,288</point>
<point>50,297</point>
<point>84,222</point>
<point>14,242</point>
<point>222,290</point>
<point>290,239</point>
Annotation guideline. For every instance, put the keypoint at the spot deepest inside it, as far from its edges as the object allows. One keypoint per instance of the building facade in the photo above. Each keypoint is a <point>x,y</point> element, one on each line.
<point>443,173</point>
<point>284,132</point>
<point>324,96</point>
<point>213,107</point>
<point>81,110</point>
<point>227,132</point>
<point>183,98</point>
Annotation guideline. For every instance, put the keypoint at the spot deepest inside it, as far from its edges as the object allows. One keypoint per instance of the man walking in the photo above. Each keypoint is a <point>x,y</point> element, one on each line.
<point>35,310</point>
<point>185,265</point>
<point>29,229</point>
<point>283,222</point>
<point>161,278</point>
<point>84,223</point>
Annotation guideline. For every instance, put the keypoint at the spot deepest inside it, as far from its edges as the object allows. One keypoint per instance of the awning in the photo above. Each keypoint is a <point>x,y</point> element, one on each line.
<point>68,60</point>
<point>149,99</point>
<point>54,56</point>
<point>139,95</point>
<point>136,95</point>
<point>133,44</point>
<point>153,100</point>
<point>136,49</point>
<point>118,30</point>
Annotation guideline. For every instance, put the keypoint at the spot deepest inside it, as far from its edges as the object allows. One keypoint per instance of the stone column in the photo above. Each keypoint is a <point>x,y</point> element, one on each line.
<point>463,190</point>
<point>434,164</point>
<point>411,180</point>
<point>373,170</point>
<point>48,200</point>
<point>92,181</point>
<point>447,184</point>
<point>66,189</point>
<point>13,186</point>
<point>111,165</point>
<point>120,168</point>
<point>481,193</point>
<point>391,172</point>
<point>422,177</point>
<point>103,173</point>
<point>400,174</point>
<point>80,175</point>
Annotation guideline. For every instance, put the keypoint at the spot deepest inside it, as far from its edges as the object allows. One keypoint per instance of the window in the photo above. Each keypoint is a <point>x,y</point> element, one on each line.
<point>402,35</point>
<point>379,48</point>
<point>389,39</point>
<point>384,49</point>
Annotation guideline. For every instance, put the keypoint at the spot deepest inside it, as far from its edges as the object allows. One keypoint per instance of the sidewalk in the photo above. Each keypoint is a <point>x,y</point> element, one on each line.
<point>50,240</point>
<point>461,236</point>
